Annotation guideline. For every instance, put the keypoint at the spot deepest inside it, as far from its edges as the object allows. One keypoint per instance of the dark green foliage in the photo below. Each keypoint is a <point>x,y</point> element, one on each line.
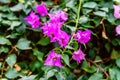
<point>23,49</point>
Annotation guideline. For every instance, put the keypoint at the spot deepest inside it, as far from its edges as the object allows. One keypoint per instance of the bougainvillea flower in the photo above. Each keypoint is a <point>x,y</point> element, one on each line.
<point>63,16</point>
<point>51,30</point>
<point>78,56</point>
<point>41,9</point>
<point>116,11</point>
<point>59,17</point>
<point>53,59</point>
<point>83,36</point>
<point>118,30</point>
<point>33,20</point>
<point>63,38</point>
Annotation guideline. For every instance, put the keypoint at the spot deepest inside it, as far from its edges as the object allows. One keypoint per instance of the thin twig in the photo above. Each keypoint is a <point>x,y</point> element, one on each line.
<point>107,76</point>
<point>104,30</point>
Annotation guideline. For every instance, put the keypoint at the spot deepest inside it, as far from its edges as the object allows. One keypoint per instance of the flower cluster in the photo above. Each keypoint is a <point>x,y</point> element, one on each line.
<point>33,19</point>
<point>53,30</point>
<point>117,16</point>
<point>53,59</point>
<point>78,55</point>
<point>83,36</point>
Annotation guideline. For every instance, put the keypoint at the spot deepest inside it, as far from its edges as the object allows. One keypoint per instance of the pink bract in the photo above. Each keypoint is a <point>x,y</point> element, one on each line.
<point>116,11</point>
<point>33,20</point>
<point>63,38</point>
<point>59,17</point>
<point>78,56</point>
<point>118,30</point>
<point>53,59</point>
<point>52,30</point>
<point>41,9</point>
<point>83,36</point>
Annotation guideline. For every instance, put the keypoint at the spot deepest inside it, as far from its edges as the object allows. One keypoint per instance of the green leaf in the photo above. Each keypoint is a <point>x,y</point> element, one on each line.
<point>4,49</point>
<point>13,35</point>
<point>90,5</point>
<point>86,25</point>
<point>6,22</point>
<point>84,64</point>
<point>23,44</point>
<point>61,76</point>
<point>112,73</point>
<point>96,20</point>
<point>116,41</point>
<point>118,73</point>
<point>83,19</point>
<point>69,47</point>
<point>4,41</point>
<point>42,78</point>
<point>0,17</point>
<point>108,47</point>
<point>114,54</point>
<point>104,9</point>
<point>11,73</point>
<point>117,2</point>
<point>5,8</point>
<point>38,54</point>
<point>75,45</point>
<point>21,29</point>
<point>70,3</point>
<point>118,62</point>
<point>31,77</point>
<point>21,1</point>
<point>4,79</point>
<point>111,18</point>
<point>50,73</point>
<point>14,24</point>
<point>12,16</point>
<point>35,65</point>
<point>65,57</point>
<point>5,1</point>
<point>11,59</point>
<point>44,41</point>
<point>71,76</point>
<point>96,76</point>
<point>90,69</point>
<point>86,11</point>
<point>100,13</point>
<point>72,28</point>
<point>17,7</point>
<point>83,77</point>
<point>0,64</point>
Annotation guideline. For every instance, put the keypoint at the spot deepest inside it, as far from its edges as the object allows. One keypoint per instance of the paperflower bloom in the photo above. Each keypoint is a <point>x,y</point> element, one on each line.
<point>116,11</point>
<point>53,59</point>
<point>78,56</point>
<point>118,30</point>
<point>33,20</point>
<point>51,30</point>
<point>83,36</point>
<point>63,38</point>
<point>58,17</point>
<point>41,9</point>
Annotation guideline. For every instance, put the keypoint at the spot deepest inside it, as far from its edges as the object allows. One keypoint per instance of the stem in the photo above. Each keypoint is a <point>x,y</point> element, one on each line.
<point>78,15</point>
<point>77,20</point>
<point>76,25</point>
